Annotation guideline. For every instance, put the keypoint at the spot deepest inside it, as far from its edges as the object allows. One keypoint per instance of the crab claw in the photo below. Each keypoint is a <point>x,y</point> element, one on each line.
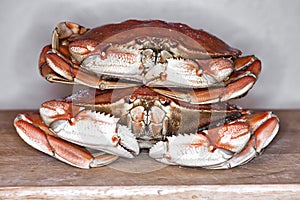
<point>222,147</point>
<point>89,129</point>
<point>203,149</point>
<point>34,132</point>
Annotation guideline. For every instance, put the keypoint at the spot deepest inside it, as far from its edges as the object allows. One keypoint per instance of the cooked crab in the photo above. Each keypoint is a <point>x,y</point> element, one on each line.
<point>152,53</point>
<point>156,85</point>
<point>120,122</point>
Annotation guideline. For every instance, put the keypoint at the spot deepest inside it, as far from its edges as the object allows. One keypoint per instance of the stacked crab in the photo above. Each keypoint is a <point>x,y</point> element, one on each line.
<point>149,85</point>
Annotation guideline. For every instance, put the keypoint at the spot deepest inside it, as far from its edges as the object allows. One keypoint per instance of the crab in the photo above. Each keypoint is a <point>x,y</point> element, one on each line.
<point>150,85</point>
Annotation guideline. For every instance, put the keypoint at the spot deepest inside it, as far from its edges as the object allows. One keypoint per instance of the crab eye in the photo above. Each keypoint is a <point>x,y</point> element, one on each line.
<point>173,43</point>
<point>130,99</point>
<point>164,101</point>
<point>140,40</point>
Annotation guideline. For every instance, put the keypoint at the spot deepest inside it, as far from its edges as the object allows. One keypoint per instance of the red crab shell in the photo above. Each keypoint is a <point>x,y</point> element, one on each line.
<point>208,44</point>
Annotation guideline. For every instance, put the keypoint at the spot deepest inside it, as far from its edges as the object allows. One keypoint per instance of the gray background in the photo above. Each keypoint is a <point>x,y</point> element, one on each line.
<point>269,29</point>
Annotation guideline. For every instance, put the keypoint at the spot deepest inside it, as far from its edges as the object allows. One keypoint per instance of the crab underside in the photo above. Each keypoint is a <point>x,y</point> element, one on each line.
<point>149,85</point>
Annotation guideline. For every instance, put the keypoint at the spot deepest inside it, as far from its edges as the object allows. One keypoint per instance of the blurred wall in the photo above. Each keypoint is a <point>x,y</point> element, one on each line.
<point>269,29</point>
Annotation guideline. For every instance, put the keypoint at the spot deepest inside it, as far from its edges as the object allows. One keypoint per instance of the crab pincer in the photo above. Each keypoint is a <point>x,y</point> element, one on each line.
<point>222,147</point>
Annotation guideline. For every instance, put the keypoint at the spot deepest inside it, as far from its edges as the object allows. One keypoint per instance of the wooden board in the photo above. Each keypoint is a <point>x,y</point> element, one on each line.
<point>26,172</point>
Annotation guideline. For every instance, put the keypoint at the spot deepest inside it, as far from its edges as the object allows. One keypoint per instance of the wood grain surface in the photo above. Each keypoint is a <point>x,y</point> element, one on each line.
<point>28,173</point>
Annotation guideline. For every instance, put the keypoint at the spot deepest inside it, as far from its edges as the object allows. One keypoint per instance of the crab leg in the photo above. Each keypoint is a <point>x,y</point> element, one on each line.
<point>239,83</point>
<point>34,132</point>
<point>222,147</point>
